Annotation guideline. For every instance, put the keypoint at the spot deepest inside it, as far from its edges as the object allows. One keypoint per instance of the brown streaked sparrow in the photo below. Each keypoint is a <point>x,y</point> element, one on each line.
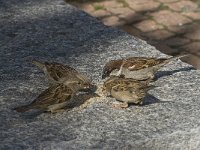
<point>59,73</point>
<point>139,68</point>
<point>126,90</point>
<point>55,98</point>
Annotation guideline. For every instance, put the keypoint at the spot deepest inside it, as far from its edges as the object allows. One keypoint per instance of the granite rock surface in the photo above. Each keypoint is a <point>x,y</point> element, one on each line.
<point>52,30</point>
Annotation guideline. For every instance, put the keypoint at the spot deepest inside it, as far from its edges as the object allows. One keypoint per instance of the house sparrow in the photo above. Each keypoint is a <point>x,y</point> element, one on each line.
<point>128,95</point>
<point>139,68</point>
<point>126,90</point>
<point>58,73</point>
<point>54,98</point>
<point>120,80</point>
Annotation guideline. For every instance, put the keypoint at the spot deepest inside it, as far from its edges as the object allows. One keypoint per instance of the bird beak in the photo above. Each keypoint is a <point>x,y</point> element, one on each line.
<point>96,95</point>
<point>88,87</point>
<point>104,75</point>
<point>92,87</point>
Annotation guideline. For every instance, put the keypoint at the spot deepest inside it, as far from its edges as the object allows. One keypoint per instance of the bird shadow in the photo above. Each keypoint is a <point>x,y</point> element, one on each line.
<point>161,74</point>
<point>80,100</point>
<point>30,115</point>
<point>150,99</point>
<point>77,101</point>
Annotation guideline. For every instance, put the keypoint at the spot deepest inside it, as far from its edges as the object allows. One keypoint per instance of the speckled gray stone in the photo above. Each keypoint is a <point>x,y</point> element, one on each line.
<point>54,31</point>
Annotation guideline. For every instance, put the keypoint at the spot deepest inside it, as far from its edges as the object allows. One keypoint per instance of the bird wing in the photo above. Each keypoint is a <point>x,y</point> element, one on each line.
<point>58,71</point>
<point>124,93</point>
<point>137,63</point>
<point>110,66</point>
<point>122,83</point>
<point>55,70</point>
<point>130,83</point>
<point>53,95</point>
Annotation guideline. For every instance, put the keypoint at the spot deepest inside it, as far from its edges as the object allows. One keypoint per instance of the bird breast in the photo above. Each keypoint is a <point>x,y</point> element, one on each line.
<point>125,96</point>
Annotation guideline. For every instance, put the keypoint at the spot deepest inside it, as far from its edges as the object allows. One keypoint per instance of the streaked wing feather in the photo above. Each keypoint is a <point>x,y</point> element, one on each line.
<point>142,62</point>
<point>58,71</point>
<point>53,95</point>
<point>125,93</point>
<point>118,82</point>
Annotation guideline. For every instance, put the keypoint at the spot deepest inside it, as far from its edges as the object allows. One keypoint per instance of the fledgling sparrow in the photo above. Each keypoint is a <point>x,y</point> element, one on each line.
<point>53,99</point>
<point>139,68</point>
<point>126,90</point>
<point>59,73</point>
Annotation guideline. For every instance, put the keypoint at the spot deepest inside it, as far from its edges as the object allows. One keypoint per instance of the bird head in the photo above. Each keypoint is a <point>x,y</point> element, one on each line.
<point>106,72</point>
<point>84,85</point>
<point>83,82</point>
<point>113,65</point>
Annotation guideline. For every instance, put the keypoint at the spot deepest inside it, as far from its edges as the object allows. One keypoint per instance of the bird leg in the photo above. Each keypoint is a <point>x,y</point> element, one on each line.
<point>120,106</point>
<point>86,104</point>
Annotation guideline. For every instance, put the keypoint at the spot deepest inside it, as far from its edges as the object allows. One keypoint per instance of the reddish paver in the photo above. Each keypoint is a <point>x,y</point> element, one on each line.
<point>176,41</point>
<point>87,8</point>
<point>172,30</point>
<point>121,10</point>
<point>188,28</point>
<point>132,17</point>
<point>194,33</point>
<point>165,49</point>
<point>167,1</point>
<point>148,25</point>
<point>192,15</point>
<point>143,5</point>
<point>194,47</point>
<point>169,18</point>
<point>193,60</point>
<point>113,21</point>
<point>184,6</point>
<point>109,4</point>
<point>159,34</point>
<point>100,13</point>
<point>179,29</point>
<point>133,31</point>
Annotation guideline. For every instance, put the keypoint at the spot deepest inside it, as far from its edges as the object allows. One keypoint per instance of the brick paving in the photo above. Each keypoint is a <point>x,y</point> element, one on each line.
<point>172,26</point>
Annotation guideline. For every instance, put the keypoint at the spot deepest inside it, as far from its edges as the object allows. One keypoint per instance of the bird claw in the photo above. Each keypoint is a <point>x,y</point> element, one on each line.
<point>120,106</point>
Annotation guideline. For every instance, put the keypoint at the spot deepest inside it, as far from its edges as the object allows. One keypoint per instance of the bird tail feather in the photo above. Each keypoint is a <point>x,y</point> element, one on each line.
<point>176,57</point>
<point>149,87</point>
<point>38,64</point>
<point>170,59</point>
<point>22,108</point>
